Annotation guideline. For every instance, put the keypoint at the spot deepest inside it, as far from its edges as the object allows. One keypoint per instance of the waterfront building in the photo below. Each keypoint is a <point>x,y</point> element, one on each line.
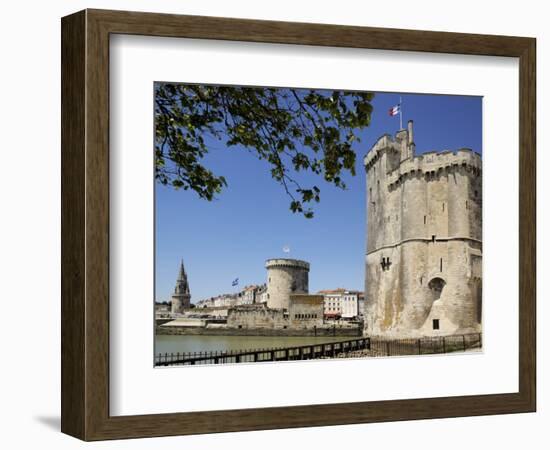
<point>332,302</point>
<point>246,296</point>
<point>341,303</point>
<point>361,305</point>
<point>260,294</point>
<point>225,300</point>
<point>162,309</point>
<point>350,304</point>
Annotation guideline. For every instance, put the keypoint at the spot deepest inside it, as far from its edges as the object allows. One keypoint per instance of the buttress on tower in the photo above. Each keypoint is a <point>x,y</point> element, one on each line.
<point>424,240</point>
<point>181,298</point>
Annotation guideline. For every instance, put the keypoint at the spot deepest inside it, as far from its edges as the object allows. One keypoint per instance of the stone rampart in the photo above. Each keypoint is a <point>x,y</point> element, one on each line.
<point>219,331</point>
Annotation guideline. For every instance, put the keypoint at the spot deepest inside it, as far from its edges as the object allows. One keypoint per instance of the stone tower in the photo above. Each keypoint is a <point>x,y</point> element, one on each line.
<point>181,298</point>
<point>285,277</point>
<point>424,241</point>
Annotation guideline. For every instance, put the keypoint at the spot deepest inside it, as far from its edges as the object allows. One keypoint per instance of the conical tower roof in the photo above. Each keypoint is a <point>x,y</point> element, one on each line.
<point>181,274</point>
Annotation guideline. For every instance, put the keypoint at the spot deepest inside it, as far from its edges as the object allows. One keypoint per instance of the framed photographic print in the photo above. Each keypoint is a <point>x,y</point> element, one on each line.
<point>273,225</point>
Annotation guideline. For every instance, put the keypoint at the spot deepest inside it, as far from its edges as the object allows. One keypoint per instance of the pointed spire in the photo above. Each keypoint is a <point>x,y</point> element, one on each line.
<point>181,274</point>
<point>182,285</point>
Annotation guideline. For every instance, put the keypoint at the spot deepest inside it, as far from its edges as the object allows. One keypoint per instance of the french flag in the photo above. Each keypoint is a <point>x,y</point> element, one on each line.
<point>395,110</point>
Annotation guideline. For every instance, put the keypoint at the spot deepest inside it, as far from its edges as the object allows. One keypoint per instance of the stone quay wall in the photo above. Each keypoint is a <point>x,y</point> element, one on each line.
<point>221,331</point>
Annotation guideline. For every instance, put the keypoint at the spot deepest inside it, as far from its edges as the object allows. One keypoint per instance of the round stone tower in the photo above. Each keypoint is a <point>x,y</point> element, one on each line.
<point>285,277</point>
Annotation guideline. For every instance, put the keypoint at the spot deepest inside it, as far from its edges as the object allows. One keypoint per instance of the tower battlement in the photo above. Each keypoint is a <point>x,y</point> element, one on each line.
<point>286,262</point>
<point>434,164</point>
<point>401,161</point>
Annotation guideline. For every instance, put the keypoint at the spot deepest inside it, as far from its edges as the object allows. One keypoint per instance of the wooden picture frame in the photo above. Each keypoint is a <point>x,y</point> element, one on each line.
<point>85,224</point>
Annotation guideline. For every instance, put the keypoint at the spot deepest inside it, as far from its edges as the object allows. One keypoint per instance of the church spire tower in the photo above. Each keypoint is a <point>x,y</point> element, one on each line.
<point>181,298</point>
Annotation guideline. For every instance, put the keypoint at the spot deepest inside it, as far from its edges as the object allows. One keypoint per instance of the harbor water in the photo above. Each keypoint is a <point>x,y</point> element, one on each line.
<point>201,343</point>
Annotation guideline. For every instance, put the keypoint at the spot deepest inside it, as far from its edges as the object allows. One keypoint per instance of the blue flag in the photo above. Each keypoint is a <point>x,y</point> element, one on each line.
<point>235,282</point>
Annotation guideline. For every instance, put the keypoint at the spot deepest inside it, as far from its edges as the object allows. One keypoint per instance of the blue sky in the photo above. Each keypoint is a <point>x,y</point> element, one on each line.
<point>250,221</point>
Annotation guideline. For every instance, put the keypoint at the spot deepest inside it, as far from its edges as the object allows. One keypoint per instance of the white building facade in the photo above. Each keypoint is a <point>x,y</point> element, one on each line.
<point>341,303</point>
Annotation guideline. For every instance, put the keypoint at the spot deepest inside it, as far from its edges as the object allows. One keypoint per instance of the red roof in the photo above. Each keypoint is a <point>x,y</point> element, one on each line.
<point>333,291</point>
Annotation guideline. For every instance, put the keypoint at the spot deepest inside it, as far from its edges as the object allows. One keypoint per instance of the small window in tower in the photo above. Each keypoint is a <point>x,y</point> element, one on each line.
<point>435,324</point>
<point>370,192</point>
<point>433,237</point>
<point>421,280</point>
<point>424,220</point>
<point>441,264</point>
<point>475,194</point>
<point>443,207</point>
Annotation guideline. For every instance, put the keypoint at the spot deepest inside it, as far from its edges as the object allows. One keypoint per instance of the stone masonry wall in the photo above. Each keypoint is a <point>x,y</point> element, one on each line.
<point>258,316</point>
<point>306,311</point>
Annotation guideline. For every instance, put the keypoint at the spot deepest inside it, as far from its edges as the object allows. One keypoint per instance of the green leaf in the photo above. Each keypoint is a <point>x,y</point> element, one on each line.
<point>285,128</point>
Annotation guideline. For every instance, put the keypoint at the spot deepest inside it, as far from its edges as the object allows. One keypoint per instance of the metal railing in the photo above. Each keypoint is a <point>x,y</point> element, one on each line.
<point>426,345</point>
<point>304,352</point>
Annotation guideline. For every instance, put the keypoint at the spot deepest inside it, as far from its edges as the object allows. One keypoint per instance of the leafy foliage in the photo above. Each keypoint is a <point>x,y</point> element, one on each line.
<point>293,130</point>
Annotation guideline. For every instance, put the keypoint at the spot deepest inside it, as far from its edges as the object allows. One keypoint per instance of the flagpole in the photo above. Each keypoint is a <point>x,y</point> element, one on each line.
<point>400,113</point>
